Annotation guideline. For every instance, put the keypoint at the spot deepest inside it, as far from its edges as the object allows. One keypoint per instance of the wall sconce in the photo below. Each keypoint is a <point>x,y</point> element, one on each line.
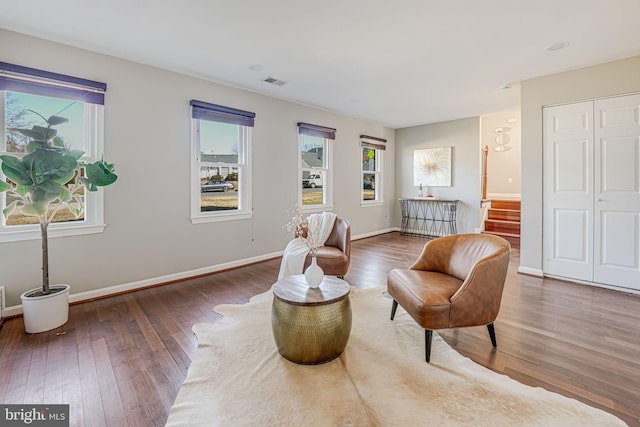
<point>502,139</point>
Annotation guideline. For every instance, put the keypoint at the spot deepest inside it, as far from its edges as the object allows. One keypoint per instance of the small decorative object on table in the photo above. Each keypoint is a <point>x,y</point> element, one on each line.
<point>429,193</point>
<point>299,225</point>
<point>420,191</point>
<point>313,274</point>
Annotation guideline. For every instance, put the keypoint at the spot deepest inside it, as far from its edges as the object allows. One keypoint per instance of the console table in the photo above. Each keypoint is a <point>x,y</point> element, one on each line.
<point>428,216</point>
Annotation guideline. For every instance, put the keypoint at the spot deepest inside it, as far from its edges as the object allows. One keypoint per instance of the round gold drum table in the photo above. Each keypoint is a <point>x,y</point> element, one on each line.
<point>311,326</point>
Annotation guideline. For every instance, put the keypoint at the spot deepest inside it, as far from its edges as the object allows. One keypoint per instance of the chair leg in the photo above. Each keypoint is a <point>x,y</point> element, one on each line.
<point>427,344</point>
<point>492,334</point>
<point>393,309</point>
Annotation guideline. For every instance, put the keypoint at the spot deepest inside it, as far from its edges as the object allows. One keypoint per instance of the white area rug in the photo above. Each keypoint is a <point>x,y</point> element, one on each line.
<point>238,378</point>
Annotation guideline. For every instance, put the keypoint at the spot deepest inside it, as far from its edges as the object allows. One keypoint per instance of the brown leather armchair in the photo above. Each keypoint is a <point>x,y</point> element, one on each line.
<point>335,255</point>
<point>457,281</point>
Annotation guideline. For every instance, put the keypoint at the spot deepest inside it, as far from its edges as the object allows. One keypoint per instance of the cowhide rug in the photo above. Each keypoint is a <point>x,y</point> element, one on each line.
<point>238,378</point>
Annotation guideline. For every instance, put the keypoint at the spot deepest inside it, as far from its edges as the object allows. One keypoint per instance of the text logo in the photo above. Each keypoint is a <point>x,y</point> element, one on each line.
<point>34,415</point>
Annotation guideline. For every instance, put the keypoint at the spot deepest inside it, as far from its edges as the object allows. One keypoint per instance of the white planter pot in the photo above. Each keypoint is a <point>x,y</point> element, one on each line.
<point>46,312</point>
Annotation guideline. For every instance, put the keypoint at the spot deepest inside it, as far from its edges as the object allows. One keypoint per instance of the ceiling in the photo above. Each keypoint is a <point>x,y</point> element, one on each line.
<point>398,63</point>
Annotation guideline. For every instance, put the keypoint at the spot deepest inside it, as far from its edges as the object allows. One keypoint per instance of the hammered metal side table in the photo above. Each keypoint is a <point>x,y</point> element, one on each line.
<point>311,326</point>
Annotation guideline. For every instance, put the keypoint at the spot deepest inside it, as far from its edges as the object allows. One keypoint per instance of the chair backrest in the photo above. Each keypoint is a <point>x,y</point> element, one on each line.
<point>468,249</point>
<point>456,255</point>
<point>340,236</point>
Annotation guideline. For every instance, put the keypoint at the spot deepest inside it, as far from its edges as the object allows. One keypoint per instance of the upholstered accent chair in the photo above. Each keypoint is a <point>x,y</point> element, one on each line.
<point>456,282</point>
<point>335,255</point>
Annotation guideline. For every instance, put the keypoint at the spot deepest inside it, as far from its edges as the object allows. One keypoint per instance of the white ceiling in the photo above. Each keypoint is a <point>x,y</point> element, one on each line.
<point>398,63</point>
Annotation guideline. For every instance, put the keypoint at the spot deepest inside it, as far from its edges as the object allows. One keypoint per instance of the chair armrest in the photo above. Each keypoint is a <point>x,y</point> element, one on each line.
<point>477,301</point>
<point>344,236</point>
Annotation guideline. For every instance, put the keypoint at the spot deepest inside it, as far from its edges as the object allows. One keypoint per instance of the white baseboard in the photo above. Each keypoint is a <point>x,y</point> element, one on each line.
<point>530,271</point>
<point>14,310</point>
<point>595,284</point>
<point>374,233</point>
<point>539,273</point>
<point>141,284</point>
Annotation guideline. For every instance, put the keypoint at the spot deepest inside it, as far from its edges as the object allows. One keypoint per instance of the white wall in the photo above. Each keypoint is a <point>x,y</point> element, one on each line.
<point>147,128</point>
<point>464,136</point>
<point>613,78</point>
<point>503,166</point>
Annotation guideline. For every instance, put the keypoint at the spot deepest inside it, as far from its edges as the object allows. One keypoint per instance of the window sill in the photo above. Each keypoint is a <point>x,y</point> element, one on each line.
<point>33,233</point>
<point>308,209</point>
<point>371,204</point>
<point>202,219</point>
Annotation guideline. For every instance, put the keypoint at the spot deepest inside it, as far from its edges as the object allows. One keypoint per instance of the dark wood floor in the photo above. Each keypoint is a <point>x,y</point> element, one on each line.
<point>121,360</point>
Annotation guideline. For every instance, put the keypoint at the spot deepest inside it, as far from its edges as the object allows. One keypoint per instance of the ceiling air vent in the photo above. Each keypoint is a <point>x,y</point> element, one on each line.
<point>274,81</point>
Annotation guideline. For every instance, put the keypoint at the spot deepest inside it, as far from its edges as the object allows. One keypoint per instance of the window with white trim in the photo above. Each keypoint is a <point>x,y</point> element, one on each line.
<point>26,96</point>
<point>315,173</point>
<point>372,149</point>
<point>221,162</point>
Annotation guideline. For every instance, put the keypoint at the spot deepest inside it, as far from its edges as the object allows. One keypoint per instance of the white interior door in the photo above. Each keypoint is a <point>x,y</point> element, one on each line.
<point>568,191</point>
<point>617,192</point>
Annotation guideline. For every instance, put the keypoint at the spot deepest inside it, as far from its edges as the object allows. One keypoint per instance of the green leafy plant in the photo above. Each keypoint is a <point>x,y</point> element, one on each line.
<point>49,177</point>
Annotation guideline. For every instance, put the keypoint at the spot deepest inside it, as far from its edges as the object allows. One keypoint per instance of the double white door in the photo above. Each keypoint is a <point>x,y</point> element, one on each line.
<point>591,191</point>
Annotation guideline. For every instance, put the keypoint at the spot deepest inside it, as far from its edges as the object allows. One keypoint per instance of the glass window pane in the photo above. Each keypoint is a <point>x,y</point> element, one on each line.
<point>313,183</point>
<point>368,186</point>
<point>368,159</point>
<point>312,151</point>
<point>219,142</point>
<point>64,214</point>
<point>219,188</point>
<point>17,115</point>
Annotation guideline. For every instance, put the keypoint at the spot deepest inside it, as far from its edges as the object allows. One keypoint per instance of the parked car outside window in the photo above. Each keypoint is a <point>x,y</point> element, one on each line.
<point>213,185</point>
<point>312,181</point>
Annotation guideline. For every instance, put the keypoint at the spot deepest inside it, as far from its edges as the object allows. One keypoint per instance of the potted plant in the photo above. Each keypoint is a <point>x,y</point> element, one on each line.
<point>49,177</point>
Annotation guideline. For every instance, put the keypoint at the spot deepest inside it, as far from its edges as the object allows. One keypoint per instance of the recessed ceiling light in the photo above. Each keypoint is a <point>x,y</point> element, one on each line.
<point>558,46</point>
<point>255,67</point>
<point>506,86</point>
<point>512,120</point>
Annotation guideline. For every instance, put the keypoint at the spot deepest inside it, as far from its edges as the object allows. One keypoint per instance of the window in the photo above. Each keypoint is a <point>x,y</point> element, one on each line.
<point>372,152</point>
<point>27,93</point>
<point>314,166</point>
<point>221,153</point>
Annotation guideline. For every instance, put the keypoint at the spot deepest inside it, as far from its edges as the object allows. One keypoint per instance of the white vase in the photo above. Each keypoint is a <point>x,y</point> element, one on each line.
<point>45,312</point>
<point>313,274</point>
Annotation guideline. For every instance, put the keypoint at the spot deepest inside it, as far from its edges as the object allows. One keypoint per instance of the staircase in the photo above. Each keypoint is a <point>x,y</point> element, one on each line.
<point>504,220</point>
